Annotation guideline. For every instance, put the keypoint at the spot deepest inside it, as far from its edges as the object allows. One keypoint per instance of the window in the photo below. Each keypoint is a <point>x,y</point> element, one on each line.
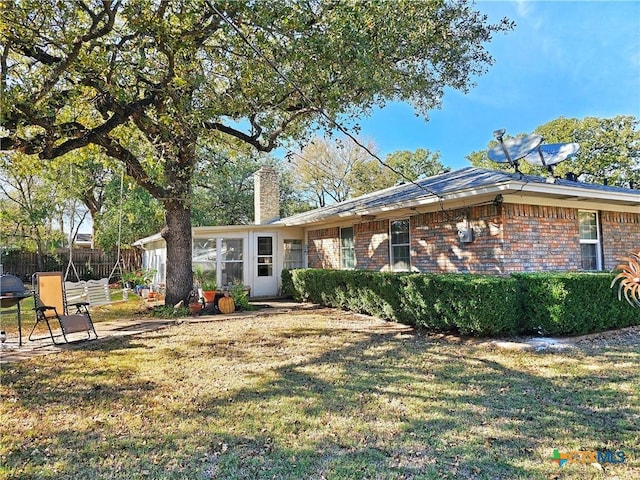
<point>231,264</point>
<point>265,256</point>
<point>292,254</point>
<point>589,241</point>
<point>347,251</point>
<point>205,254</point>
<point>221,255</point>
<point>400,257</point>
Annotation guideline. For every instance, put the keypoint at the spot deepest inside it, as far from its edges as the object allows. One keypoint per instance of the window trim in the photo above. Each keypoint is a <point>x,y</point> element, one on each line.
<point>286,263</point>
<point>351,248</point>
<point>391,245</point>
<point>268,258</point>
<point>588,241</point>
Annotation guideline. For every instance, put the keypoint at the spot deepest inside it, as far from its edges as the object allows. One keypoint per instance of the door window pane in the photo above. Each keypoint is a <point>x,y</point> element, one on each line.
<point>265,256</point>
<point>265,246</point>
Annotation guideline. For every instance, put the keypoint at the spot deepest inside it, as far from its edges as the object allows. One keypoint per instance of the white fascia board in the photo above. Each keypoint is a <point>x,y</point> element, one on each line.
<point>443,199</point>
<point>580,194</point>
<point>146,240</point>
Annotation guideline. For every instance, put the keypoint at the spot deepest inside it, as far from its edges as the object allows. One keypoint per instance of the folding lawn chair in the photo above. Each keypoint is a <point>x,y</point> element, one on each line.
<point>51,304</point>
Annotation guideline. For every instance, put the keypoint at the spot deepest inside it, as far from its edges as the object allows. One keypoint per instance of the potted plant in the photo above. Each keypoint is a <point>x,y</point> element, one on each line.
<point>206,280</point>
<point>195,303</point>
<point>138,279</point>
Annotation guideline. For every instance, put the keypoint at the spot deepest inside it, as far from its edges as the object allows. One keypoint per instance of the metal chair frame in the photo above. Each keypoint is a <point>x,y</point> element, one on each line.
<point>51,304</point>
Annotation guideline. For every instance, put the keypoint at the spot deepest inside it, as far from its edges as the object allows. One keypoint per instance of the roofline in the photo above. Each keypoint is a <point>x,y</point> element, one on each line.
<point>214,229</point>
<point>507,186</point>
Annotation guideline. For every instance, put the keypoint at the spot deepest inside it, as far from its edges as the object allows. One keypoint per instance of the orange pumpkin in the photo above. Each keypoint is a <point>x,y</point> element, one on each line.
<point>226,305</point>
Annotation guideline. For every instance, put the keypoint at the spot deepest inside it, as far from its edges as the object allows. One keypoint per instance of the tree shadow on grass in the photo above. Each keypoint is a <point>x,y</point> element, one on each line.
<point>384,404</point>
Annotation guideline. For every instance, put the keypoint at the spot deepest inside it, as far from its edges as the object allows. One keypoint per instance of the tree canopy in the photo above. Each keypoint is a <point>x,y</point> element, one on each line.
<point>333,170</point>
<point>147,81</point>
<point>609,149</point>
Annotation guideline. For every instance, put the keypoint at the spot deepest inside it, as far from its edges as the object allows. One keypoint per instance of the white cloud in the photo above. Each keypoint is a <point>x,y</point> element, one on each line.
<point>524,8</point>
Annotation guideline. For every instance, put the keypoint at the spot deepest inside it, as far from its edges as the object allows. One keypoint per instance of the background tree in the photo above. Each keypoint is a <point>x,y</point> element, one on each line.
<point>30,207</point>
<point>415,165</point>
<point>333,170</point>
<point>223,185</point>
<point>148,81</point>
<point>398,167</point>
<point>609,149</point>
<point>136,213</point>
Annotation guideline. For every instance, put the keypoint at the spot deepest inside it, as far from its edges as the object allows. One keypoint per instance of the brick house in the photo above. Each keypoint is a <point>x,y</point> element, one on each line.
<point>471,220</point>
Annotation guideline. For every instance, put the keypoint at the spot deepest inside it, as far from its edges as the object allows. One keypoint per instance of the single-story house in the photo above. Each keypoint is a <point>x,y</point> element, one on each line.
<point>471,220</point>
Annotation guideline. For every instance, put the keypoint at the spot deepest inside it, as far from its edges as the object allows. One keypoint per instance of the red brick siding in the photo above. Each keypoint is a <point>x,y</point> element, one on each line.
<point>620,236</point>
<point>506,238</point>
<point>541,238</point>
<point>436,248</point>
<point>371,243</point>
<point>324,248</point>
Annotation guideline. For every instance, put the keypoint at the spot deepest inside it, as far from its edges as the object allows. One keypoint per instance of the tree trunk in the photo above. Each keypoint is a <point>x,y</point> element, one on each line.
<point>177,234</point>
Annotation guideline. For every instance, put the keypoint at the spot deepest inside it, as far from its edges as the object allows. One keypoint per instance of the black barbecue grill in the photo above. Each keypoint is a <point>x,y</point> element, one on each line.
<point>12,291</point>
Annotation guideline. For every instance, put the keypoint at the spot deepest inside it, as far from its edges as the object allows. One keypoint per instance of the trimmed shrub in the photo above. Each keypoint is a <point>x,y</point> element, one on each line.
<point>470,304</point>
<point>480,305</point>
<point>572,304</point>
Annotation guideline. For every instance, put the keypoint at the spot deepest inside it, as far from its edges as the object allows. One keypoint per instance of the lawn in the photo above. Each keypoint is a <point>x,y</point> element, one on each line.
<point>318,394</point>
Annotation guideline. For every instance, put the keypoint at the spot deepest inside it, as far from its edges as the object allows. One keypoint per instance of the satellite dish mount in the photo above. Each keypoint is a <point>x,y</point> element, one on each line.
<point>530,149</point>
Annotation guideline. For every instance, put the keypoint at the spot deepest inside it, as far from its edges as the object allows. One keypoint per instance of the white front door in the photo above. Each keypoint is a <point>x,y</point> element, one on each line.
<point>265,280</point>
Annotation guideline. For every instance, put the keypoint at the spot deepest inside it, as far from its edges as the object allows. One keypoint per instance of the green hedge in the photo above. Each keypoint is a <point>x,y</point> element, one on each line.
<point>480,305</point>
<point>573,303</point>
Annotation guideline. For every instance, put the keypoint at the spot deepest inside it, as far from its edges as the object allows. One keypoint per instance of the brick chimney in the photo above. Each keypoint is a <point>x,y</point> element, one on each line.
<point>266,196</point>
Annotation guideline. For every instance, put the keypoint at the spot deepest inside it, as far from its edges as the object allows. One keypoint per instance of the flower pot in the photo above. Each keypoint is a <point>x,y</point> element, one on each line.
<point>209,295</point>
<point>195,308</point>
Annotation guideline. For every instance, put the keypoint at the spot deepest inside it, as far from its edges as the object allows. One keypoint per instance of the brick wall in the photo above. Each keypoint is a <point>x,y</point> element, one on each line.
<point>506,238</point>
<point>324,248</point>
<point>436,248</point>
<point>371,243</point>
<point>540,238</point>
<point>620,236</point>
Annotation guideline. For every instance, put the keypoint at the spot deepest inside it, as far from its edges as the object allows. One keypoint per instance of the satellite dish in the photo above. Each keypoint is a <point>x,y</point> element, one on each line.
<point>552,154</point>
<point>513,149</point>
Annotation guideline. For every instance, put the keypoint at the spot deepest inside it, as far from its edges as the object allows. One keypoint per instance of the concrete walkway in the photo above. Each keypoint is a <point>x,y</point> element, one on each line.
<point>11,352</point>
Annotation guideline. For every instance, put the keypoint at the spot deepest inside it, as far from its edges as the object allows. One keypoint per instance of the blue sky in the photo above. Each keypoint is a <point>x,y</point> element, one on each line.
<point>564,58</point>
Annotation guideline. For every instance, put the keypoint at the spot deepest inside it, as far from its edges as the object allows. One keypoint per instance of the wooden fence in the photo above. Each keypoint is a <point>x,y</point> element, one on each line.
<point>90,264</point>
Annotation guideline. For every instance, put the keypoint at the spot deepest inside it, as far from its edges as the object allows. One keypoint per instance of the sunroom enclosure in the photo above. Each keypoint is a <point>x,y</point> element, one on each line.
<point>249,255</point>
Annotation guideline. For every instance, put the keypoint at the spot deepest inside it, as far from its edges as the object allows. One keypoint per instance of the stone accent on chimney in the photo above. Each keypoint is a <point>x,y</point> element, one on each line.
<point>266,195</point>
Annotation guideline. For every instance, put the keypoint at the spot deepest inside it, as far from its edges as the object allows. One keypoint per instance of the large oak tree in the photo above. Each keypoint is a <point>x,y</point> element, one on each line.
<point>148,80</point>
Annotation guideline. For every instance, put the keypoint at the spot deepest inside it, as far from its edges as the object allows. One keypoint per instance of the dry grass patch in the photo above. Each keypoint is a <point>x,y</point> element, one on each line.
<point>324,394</point>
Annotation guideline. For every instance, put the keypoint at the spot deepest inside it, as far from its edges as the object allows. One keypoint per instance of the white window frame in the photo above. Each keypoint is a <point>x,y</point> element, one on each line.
<point>590,241</point>
<point>218,259</point>
<point>222,260</point>
<point>391,245</point>
<point>351,248</point>
<point>293,257</point>
<point>265,259</point>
